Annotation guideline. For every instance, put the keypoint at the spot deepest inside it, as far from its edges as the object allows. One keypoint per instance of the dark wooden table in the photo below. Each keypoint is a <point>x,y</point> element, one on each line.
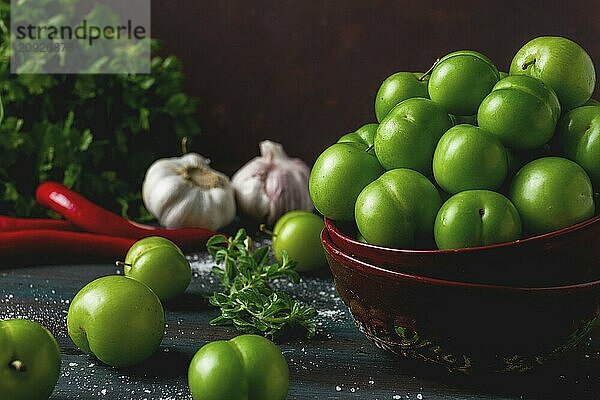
<point>339,363</point>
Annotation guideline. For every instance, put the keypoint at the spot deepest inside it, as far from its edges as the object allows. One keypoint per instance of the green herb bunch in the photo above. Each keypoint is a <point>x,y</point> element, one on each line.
<point>95,133</point>
<point>247,300</point>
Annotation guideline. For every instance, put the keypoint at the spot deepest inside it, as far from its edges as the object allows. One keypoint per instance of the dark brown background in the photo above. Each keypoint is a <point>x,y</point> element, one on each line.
<point>305,72</point>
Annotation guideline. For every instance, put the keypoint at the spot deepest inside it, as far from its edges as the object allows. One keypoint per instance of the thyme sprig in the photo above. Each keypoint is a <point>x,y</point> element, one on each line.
<point>247,299</point>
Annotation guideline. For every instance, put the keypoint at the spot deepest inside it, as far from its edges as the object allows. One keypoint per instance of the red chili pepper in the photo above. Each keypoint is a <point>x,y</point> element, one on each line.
<point>49,246</point>
<point>19,224</point>
<point>93,218</point>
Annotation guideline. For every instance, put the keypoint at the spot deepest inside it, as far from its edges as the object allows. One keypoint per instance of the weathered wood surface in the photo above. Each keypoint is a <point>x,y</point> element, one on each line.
<point>337,364</point>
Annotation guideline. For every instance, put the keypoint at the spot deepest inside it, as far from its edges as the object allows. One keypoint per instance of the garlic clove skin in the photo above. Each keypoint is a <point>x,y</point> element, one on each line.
<point>251,199</point>
<point>185,191</point>
<point>272,184</point>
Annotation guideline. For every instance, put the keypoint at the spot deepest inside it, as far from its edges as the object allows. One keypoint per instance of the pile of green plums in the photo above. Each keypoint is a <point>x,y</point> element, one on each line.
<point>465,155</point>
<point>120,319</point>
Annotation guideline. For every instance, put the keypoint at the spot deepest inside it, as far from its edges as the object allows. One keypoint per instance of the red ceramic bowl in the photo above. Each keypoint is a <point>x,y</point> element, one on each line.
<point>462,326</point>
<point>566,256</point>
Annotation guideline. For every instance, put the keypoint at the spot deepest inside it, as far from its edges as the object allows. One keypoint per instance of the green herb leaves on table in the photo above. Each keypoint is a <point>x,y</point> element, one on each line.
<point>247,300</point>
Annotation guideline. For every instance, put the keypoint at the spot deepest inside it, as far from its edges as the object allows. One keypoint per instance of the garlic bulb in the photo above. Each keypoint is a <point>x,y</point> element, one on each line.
<point>272,184</point>
<point>185,191</point>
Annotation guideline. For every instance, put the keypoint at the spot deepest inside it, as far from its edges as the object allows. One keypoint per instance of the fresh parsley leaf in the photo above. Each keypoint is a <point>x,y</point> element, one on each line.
<point>95,133</point>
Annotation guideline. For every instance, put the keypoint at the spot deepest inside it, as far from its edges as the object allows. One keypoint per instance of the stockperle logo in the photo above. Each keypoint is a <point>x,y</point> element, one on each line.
<point>80,36</point>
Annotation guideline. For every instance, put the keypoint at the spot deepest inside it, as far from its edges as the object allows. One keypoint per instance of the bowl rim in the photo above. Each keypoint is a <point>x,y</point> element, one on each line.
<point>330,225</point>
<point>334,251</point>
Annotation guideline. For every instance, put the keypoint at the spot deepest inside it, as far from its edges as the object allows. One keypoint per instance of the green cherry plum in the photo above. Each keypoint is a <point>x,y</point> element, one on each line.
<point>407,136</point>
<point>364,135</point>
<point>160,264</point>
<point>551,193</point>
<point>398,87</point>
<point>247,367</point>
<point>299,234</point>
<point>117,319</point>
<point>337,177</point>
<point>468,157</point>
<point>561,64</point>
<point>398,209</point>
<point>29,360</point>
<point>521,111</point>
<point>289,215</point>
<point>476,218</point>
<point>578,133</point>
<point>460,80</point>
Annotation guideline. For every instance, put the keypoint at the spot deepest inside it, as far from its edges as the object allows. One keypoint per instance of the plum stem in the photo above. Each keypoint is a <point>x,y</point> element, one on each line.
<point>428,72</point>
<point>18,366</point>
<point>368,149</point>
<point>122,264</point>
<point>263,228</point>
<point>527,64</point>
